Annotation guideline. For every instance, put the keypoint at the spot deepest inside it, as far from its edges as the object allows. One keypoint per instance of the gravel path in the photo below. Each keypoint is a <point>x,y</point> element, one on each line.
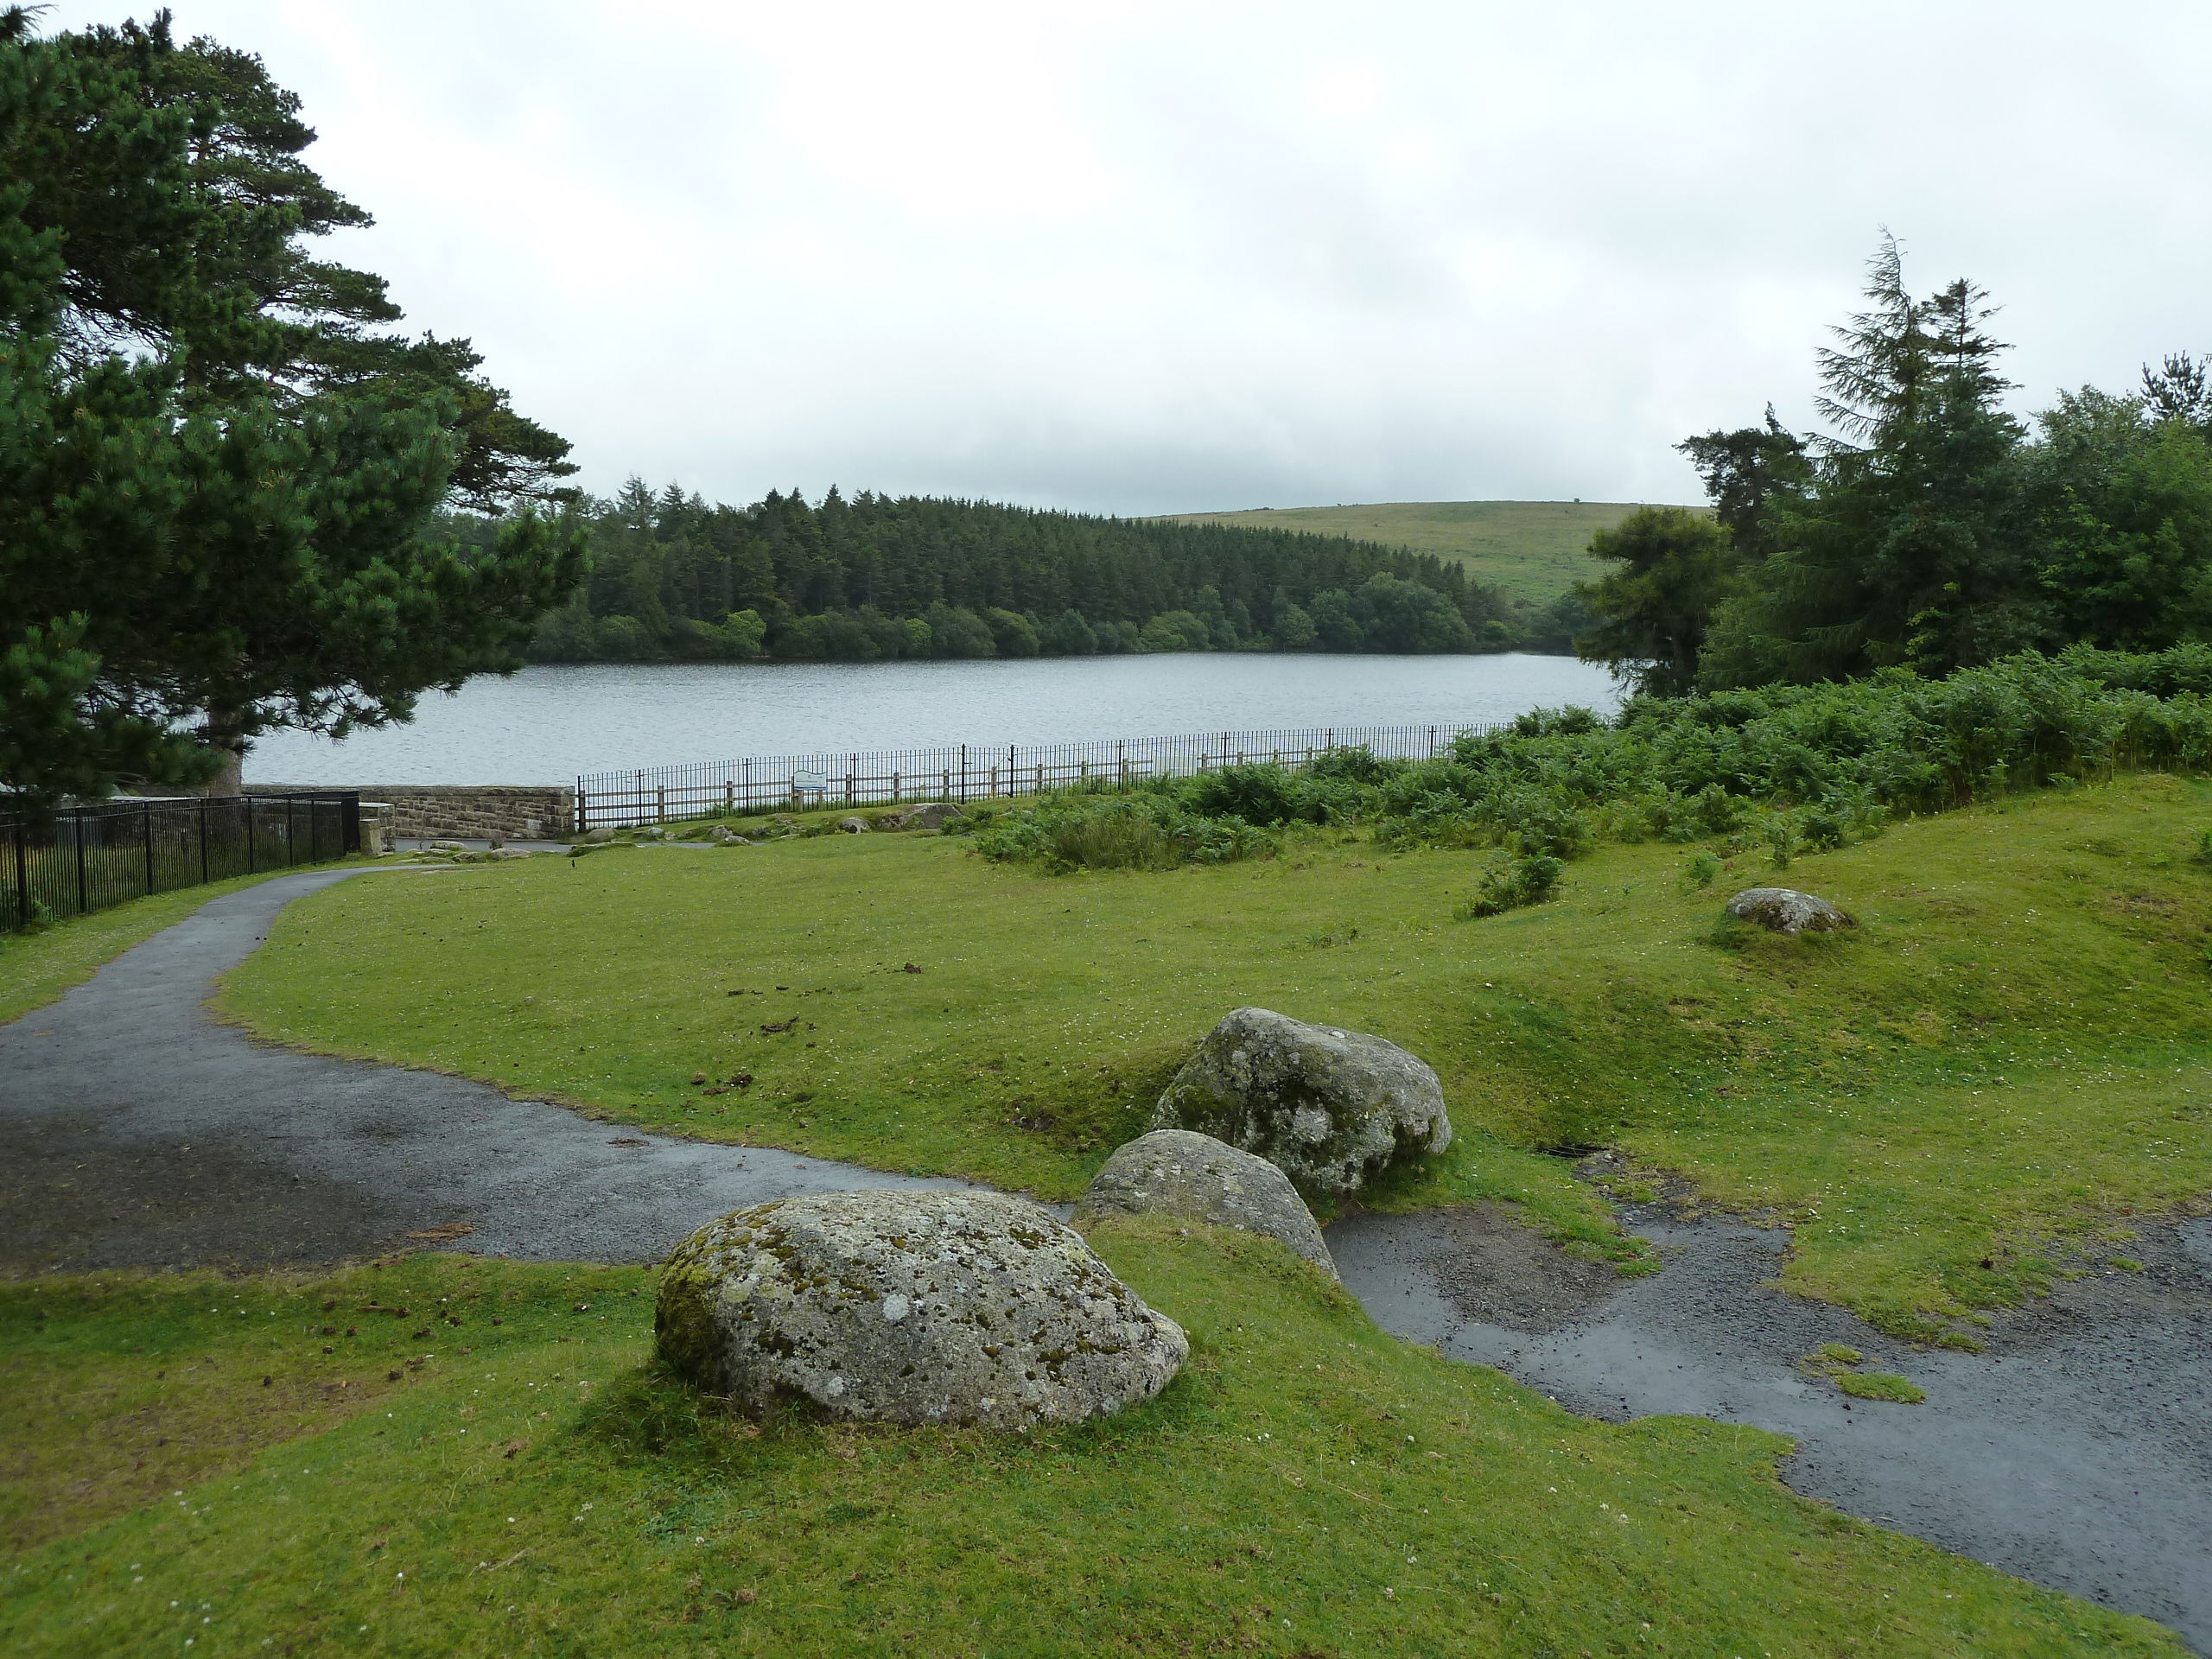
<point>2076,1452</point>
<point>134,1131</point>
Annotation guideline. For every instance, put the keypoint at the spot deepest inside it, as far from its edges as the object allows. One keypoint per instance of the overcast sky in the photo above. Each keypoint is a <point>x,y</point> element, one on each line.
<point>1144,258</point>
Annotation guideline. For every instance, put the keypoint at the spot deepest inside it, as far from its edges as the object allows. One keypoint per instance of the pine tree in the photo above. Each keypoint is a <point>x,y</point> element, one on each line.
<point>1912,545</point>
<point>206,528</point>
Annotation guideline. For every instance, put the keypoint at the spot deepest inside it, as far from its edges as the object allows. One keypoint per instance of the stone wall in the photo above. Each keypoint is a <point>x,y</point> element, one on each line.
<point>461,811</point>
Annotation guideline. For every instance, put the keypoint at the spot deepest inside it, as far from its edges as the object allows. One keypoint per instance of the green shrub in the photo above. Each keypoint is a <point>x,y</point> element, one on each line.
<point>1792,768</point>
<point>1107,840</point>
<point>1145,828</point>
<point>1700,872</point>
<point>1542,822</point>
<point>1529,879</point>
<point>1263,794</point>
<point>1781,840</point>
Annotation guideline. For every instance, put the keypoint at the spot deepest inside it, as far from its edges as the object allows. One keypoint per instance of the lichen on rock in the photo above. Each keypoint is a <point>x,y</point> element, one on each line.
<point>1330,1109</point>
<point>1182,1173</point>
<point>1784,910</point>
<point>910,1308</point>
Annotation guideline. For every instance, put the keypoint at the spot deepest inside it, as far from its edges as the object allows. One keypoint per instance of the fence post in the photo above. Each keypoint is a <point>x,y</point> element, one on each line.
<point>729,796</point>
<point>964,772</point>
<point>852,777</point>
<point>203,840</point>
<point>83,901</point>
<point>1432,742</point>
<point>246,801</point>
<point>23,876</point>
<point>148,809</point>
<point>660,805</point>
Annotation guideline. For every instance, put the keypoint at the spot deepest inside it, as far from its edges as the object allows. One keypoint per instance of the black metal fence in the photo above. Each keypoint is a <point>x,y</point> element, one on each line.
<point>965,771</point>
<point>86,858</point>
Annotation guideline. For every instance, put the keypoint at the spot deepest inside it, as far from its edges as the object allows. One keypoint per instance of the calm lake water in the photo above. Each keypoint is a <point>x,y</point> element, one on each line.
<point>547,724</point>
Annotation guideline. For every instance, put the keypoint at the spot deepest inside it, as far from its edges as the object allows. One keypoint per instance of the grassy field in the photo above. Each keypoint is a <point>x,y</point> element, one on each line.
<point>1534,549</point>
<point>1981,1086</point>
<point>194,1468</point>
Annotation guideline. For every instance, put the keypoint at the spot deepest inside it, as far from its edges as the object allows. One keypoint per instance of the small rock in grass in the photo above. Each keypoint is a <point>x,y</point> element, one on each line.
<point>930,815</point>
<point>596,837</point>
<point>910,1308</point>
<point>1197,1178</point>
<point>853,826</point>
<point>1784,910</point>
<point>1332,1109</point>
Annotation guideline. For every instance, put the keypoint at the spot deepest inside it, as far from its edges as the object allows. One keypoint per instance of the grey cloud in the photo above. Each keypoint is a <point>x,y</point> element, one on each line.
<point>1185,257</point>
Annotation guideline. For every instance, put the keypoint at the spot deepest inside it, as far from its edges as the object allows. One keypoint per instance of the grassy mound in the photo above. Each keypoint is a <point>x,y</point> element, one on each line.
<point>1307,1486</point>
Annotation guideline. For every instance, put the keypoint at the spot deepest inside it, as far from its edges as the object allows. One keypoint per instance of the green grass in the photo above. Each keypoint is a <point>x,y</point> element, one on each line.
<point>1307,1486</point>
<point>1881,1385</point>
<point>1535,550</point>
<point>1837,1362</point>
<point>2005,1064</point>
<point>37,967</point>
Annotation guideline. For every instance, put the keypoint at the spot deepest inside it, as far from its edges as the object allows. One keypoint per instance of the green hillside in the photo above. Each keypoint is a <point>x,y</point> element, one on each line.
<point>1532,550</point>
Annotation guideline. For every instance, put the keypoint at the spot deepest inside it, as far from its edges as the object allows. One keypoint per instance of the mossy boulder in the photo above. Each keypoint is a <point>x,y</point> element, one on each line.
<point>1784,910</point>
<point>1332,1109</point>
<point>1179,1173</point>
<point>910,1308</point>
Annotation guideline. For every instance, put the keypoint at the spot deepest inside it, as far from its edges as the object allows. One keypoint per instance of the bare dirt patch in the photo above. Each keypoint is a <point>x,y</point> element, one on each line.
<point>1492,1266</point>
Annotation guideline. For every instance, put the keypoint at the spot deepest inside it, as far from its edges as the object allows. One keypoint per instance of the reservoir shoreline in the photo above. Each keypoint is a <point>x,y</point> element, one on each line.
<point>547,723</point>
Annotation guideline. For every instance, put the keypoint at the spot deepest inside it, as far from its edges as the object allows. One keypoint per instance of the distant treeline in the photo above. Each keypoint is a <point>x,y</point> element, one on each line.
<point>674,579</point>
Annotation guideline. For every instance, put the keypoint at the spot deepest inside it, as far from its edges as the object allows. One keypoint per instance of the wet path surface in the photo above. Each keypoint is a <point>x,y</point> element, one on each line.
<point>2076,1452</point>
<point>134,1131</point>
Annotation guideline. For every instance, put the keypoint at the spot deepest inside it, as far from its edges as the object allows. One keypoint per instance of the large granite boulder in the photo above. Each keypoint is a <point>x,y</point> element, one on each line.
<point>1197,1178</point>
<point>1330,1109</point>
<point>910,1308</point>
<point>1784,910</point>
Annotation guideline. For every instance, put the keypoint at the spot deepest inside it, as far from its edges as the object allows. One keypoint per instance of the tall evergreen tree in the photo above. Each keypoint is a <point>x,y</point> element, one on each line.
<point>1913,546</point>
<point>216,484</point>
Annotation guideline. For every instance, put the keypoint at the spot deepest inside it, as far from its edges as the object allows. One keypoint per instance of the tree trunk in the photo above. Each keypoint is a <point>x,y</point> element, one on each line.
<point>221,732</point>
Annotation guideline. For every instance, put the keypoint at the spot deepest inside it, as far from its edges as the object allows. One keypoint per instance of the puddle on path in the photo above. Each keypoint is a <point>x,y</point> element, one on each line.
<point>2076,1452</point>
